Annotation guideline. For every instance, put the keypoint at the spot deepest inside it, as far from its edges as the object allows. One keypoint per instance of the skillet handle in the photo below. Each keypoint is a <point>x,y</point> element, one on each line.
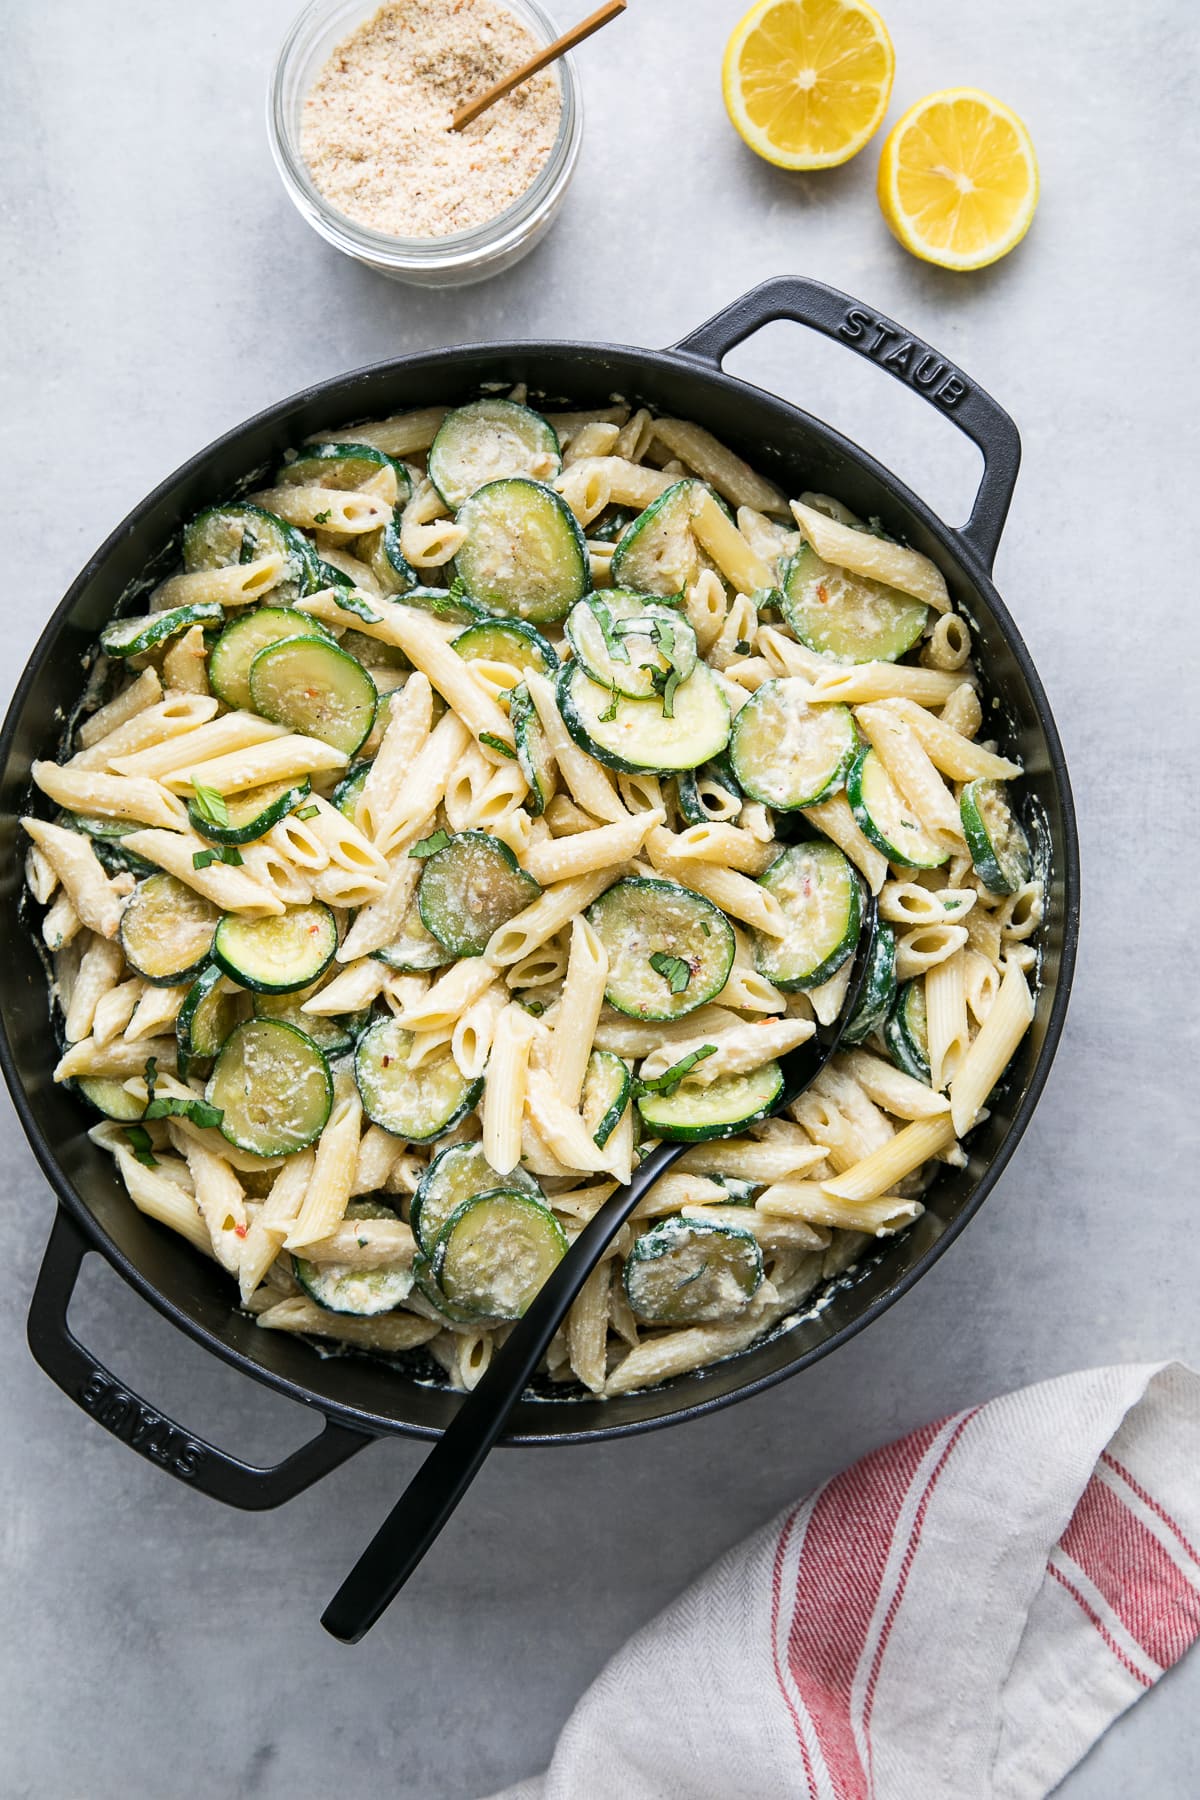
<point>902,355</point>
<point>159,1439</point>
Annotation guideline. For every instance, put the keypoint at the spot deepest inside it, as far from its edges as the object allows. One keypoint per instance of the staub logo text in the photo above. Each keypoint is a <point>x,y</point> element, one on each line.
<point>921,367</point>
<point>148,1432</point>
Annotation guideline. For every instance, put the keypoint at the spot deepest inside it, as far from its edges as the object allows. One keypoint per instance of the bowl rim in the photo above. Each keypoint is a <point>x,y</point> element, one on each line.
<point>960,553</point>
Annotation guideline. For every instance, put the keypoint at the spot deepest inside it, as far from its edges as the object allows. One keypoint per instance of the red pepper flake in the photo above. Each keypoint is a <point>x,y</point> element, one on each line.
<point>240,1230</point>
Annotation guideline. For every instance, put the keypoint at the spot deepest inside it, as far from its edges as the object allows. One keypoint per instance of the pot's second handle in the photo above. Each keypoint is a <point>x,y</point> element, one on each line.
<point>191,1459</point>
<point>904,356</point>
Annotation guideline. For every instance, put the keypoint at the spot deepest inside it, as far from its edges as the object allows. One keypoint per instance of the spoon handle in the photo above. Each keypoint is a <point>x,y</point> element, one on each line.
<point>448,1471</point>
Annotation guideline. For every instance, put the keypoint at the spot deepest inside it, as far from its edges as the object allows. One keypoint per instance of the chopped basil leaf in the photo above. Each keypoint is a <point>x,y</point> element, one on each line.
<point>742,647</point>
<point>673,969</point>
<point>669,1080</point>
<point>669,694</point>
<point>430,846</point>
<point>322,518</point>
<point>139,1143</point>
<point>211,805</point>
<point>150,1075</point>
<point>222,853</point>
<point>198,1111</point>
<point>610,711</point>
<point>309,812</point>
<point>498,744</point>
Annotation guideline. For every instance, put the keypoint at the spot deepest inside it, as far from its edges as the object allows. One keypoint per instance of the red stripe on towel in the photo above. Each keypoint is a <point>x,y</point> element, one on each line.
<point>1150,1594</point>
<point>776,1596</point>
<point>1097,1621</point>
<point>1154,1506</point>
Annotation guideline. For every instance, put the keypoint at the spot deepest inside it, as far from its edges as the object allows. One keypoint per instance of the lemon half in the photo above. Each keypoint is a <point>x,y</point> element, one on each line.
<point>807,82</point>
<point>958,179</point>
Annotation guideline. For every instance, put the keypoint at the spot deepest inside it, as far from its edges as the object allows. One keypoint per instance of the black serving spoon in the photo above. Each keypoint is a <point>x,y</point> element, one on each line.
<point>452,1465</point>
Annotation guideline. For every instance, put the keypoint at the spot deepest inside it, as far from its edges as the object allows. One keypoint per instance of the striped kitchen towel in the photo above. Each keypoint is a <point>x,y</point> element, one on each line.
<point>957,1617</point>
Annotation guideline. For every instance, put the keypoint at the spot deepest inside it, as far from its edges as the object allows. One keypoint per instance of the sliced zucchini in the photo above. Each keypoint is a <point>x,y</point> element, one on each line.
<point>524,554</point>
<point>167,930</point>
<point>106,836</point>
<point>692,1271</point>
<point>454,605</point>
<point>821,897</point>
<point>995,837</point>
<point>425,1284</point>
<point>658,554</point>
<point>413,950</point>
<point>334,1034</point>
<point>610,525</point>
<point>381,552</point>
<point>206,1018</point>
<point>669,950</point>
<point>729,1103</point>
<point>740,1193</point>
<point>230,657</point>
<point>341,466</point>
<point>607,1084</point>
<point>314,688</point>
<point>419,1104</point>
<point>347,791</point>
<point>134,636</point>
<point>636,736</point>
<point>278,954</point>
<point>273,1086</point>
<point>241,818</point>
<point>489,440</point>
<point>373,653</point>
<point>848,617</point>
<point>458,1173</point>
<point>469,888</point>
<point>885,817</point>
<point>110,1098</point>
<point>239,531</point>
<point>494,1253</point>
<point>342,1288</point>
<point>533,750</point>
<point>692,802</point>
<point>631,644</point>
<point>906,1033</point>
<point>787,753</point>
<point>878,991</point>
<point>509,641</point>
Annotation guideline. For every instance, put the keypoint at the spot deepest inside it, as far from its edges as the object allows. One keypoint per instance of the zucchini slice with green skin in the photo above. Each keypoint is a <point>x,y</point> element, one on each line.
<point>363,1293</point>
<point>906,1033</point>
<point>495,1251</point>
<point>279,954</point>
<point>167,930</point>
<point>238,532</point>
<point>657,554</point>
<point>341,466</point>
<point>106,836</point>
<point>729,1103</point>
<point>348,789</point>
<point>878,992</point>
<point>248,816</point>
<point>611,524</point>
<point>273,1086</point>
<point>419,1104</point>
<point>524,554</point>
<point>469,888</point>
<point>692,1272</point>
<point>635,736</point>
<point>691,801</point>
<point>454,605</point>
<point>381,552</point>
<point>669,950</point>
<point>413,950</point>
<point>848,617</point>
<point>110,1098</point>
<point>885,818</point>
<point>821,897</point>
<point>206,1019</point>
<point>458,1173</point>
<point>787,753</point>
<point>533,750</point>
<point>632,644</point>
<point>134,636</point>
<point>373,653</point>
<point>316,689</point>
<point>335,1035</point>
<point>230,657</point>
<point>489,440</point>
<point>510,641</point>
<point>607,1085</point>
<point>995,837</point>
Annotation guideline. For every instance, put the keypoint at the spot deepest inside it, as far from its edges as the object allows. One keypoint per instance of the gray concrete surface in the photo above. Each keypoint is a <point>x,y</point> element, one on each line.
<point>159,288</point>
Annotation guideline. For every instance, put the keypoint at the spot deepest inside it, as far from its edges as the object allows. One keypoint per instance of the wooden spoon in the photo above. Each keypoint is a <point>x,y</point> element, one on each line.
<point>542,60</point>
<point>448,1471</point>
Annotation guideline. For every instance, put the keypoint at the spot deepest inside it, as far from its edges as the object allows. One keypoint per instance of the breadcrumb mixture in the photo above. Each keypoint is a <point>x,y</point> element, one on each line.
<point>376,128</point>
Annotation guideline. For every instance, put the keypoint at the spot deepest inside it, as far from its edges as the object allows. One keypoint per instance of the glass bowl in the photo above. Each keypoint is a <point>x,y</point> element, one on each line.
<point>465,256</point>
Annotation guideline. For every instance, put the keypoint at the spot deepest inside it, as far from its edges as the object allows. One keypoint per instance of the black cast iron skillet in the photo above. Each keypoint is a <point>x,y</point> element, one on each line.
<point>360,1398</point>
